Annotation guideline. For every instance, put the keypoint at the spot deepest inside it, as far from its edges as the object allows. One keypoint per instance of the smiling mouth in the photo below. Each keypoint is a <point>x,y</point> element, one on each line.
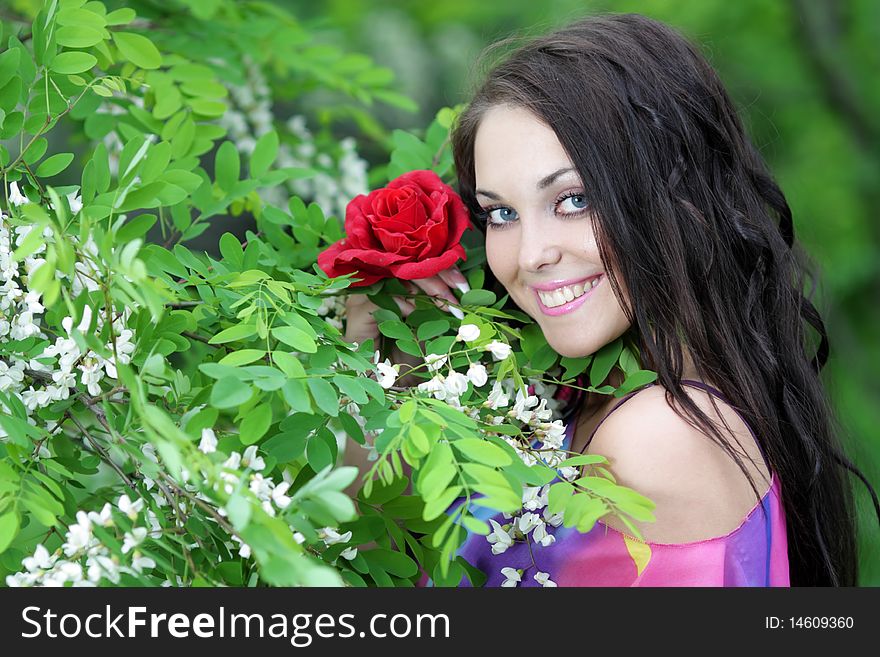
<point>567,293</point>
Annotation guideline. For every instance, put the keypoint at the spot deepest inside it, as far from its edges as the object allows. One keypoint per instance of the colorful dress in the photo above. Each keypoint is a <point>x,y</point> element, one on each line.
<point>753,554</point>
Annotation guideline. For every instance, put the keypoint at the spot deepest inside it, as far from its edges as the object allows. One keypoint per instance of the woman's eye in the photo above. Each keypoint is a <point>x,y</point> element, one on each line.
<point>578,202</point>
<point>500,215</point>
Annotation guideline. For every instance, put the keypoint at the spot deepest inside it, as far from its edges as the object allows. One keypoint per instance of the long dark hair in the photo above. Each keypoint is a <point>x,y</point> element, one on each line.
<point>688,214</point>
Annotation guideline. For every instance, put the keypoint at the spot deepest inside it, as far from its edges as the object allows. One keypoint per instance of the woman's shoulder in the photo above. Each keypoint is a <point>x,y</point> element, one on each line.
<point>699,490</point>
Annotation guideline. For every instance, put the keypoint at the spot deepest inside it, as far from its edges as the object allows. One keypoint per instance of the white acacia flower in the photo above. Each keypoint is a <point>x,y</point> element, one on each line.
<point>15,196</point>
<point>477,374</point>
<point>468,333</point>
<point>102,566</point>
<point>433,386</point>
<point>250,459</point>
<point>75,202</point>
<point>500,538</point>
<point>541,535</point>
<point>10,376</point>
<point>456,384</point>
<point>435,361</point>
<point>532,499</point>
<point>387,373</point>
<point>554,434</point>
<point>552,519</point>
<point>521,405</point>
<point>79,536</point>
<point>91,375</point>
<point>527,522</point>
<point>208,442</point>
<point>133,538</point>
<point>512,577</point>
<point>104,518</point>
<point>330,536</point>
<point>140,562</point>
<point>497,397</point>
<point>349,553</point>
<point>129,508</point>
<point>569,472</point>
<point>544,580</point>
<point>41,560</point>
<point>499,350</point>
<point>279,497</point>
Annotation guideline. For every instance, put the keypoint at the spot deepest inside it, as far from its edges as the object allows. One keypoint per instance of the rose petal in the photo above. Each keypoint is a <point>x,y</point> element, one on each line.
<point>430,266</point>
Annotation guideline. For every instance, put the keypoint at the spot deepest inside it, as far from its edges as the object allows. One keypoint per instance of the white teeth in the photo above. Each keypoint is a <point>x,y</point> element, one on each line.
<point>565,294</point>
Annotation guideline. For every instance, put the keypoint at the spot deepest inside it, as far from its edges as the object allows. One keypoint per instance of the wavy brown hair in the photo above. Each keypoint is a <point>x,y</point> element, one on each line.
<point>688,213</point>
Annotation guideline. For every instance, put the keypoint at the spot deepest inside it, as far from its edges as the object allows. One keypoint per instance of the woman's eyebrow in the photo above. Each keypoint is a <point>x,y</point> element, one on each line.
<point>543,183</point>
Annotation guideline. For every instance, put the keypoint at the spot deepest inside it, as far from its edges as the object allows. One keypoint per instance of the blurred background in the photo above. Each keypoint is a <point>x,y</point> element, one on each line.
<point>805,76</point>
<point>803,72</point>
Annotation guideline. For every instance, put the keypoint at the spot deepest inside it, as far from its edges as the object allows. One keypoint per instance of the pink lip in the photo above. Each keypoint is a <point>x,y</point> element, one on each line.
<point>566,307</point>
<point>552,285</point>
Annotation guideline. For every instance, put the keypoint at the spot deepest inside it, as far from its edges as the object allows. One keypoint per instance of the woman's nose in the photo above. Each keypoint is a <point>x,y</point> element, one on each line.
<point>539,246</point>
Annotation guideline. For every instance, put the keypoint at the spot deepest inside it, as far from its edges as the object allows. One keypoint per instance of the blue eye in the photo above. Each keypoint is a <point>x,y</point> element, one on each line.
<point>581,198</point>
<point>505,216</point>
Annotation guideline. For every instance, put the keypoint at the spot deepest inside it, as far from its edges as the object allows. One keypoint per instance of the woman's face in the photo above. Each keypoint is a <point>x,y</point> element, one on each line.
<point>540,242</point>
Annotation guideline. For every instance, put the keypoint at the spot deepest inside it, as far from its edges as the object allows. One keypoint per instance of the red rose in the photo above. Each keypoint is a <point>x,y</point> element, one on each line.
<point>409,229</point>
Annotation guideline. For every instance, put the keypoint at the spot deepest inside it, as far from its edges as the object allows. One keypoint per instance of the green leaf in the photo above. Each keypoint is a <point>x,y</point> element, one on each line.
<point>227,166</point>
<point>8,529</point>
<point>396,563</point>
<point>396,329</point>
<point>604,360</point>
<point>296,338</point>
<point>73,62</point>
<point>439,504</point>
<point>636,380</point>
<point>8,65</point>
<point>297,396</point>
<point>242,357</point>
<point>558,496</point>
<point>54,165</point>
<point>121,16</point>
<point>325,395</point>
<point>255,424</point>
<point>478,298</point>
<point>318,453</point>
<point>285,447</point>
<point>229,392</point>
<point>482,451</point>
<point>137,49</point>
<point>432,329</point>
<point>237,332</point>
<point>264,154</point>
<point>432,482</point>
<point>78,37</point>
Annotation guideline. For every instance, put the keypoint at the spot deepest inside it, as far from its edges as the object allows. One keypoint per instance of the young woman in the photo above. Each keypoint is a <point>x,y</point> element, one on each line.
<point>619,193</point>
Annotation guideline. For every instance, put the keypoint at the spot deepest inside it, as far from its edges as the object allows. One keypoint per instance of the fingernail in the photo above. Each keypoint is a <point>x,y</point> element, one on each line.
<point>456,312</point>
<point>463,286</point>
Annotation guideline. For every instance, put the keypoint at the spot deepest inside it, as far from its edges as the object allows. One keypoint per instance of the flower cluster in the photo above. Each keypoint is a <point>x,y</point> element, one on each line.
<point>83,560</point>
<point>53,374</point>
<point>535,408</point>
<point>250,116</point>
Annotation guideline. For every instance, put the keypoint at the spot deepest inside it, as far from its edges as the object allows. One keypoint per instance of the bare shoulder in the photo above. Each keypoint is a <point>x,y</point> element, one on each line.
<point>699,490</point>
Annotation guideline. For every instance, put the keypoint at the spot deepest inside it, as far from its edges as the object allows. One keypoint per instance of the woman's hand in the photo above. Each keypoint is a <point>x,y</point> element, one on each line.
<point>361,325</point>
